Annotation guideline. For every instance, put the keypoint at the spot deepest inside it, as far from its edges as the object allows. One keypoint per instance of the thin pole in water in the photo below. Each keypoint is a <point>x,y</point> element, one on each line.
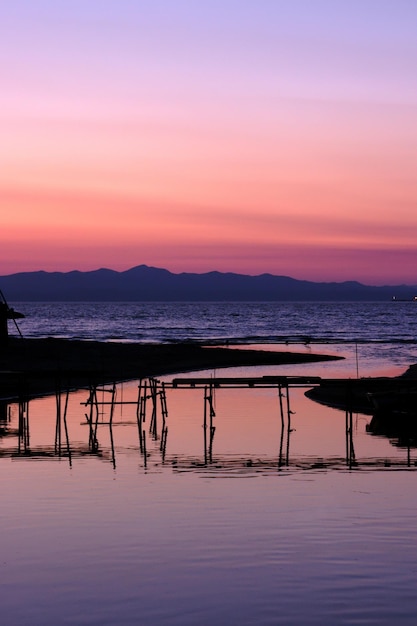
<point>357,360</point>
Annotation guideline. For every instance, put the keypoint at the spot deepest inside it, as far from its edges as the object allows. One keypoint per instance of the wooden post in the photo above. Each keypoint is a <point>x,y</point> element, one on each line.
<point>66,426</point>
<point>113,456</point>
<point>113,399</point>
<point>92,419</point>
<point>287,460</point>
<point>212,428</point>
<point>141,411</point>
<point>205,425</point>
<point>153,429</point>
<point>350,451</point>
<point>164,413</point>
<point>281,442</point>
<point>58,423</point>
<point>23,430</point>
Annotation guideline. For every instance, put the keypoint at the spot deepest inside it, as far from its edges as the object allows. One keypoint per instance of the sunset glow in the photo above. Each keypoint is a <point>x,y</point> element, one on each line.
<point>241,136</point>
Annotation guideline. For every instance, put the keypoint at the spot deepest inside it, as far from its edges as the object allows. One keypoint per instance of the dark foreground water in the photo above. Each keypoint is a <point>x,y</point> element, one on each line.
<point>270,528</point>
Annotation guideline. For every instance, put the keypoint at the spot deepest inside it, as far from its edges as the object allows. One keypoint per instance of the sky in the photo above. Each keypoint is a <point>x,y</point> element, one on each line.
<point>248,136</point>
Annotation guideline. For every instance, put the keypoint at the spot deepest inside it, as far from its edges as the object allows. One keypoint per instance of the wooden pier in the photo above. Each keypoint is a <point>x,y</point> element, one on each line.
<point>150,407</point>
<point>349,393</point>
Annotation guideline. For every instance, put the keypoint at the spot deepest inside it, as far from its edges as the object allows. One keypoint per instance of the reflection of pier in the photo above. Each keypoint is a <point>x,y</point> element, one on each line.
<point>101,412</point>
<point>153,393</point>
<point>19,438</point>
<point>280,384</point>
<point>150,416</point>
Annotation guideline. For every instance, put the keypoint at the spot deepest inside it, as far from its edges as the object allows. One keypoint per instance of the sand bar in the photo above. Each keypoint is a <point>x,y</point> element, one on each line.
<point>31,367</point>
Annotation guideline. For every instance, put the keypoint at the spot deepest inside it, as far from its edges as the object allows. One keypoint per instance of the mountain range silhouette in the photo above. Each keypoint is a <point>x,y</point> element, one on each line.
<point>144,283</point>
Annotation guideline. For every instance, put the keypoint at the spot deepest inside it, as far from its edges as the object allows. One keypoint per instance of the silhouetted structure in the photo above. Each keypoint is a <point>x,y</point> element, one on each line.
<point>7,313</point>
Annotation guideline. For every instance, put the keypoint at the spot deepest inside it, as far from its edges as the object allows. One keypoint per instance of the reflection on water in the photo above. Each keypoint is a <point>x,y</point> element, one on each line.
<point>248,428</point>
<point>198,506</point>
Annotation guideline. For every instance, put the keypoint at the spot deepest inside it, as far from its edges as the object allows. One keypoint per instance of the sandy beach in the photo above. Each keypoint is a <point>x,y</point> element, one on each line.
<point>31,367</point>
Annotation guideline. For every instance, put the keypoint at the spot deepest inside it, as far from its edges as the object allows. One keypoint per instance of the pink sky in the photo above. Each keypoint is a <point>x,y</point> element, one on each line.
<point>235,136</point>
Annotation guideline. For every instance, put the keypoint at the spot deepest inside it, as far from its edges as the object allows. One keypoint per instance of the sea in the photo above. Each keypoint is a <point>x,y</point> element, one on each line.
<point>257,523</point>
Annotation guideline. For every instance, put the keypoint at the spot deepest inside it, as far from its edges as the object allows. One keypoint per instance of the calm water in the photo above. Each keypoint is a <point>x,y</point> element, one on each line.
<point>274,528</point>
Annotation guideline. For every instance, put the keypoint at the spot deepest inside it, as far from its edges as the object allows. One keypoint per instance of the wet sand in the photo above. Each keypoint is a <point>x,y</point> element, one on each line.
<point>31,367</point>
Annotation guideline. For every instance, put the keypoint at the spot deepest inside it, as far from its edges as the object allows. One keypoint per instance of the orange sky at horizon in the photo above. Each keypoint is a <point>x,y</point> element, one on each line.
<point>297,159</point>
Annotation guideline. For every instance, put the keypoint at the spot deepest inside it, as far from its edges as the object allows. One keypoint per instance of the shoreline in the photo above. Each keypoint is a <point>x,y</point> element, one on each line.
<point>37,367</point>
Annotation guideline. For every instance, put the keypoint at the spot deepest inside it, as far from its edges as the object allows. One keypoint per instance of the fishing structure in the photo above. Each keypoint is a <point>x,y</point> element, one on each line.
<point>149,413</point>
<point>7,313</point>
